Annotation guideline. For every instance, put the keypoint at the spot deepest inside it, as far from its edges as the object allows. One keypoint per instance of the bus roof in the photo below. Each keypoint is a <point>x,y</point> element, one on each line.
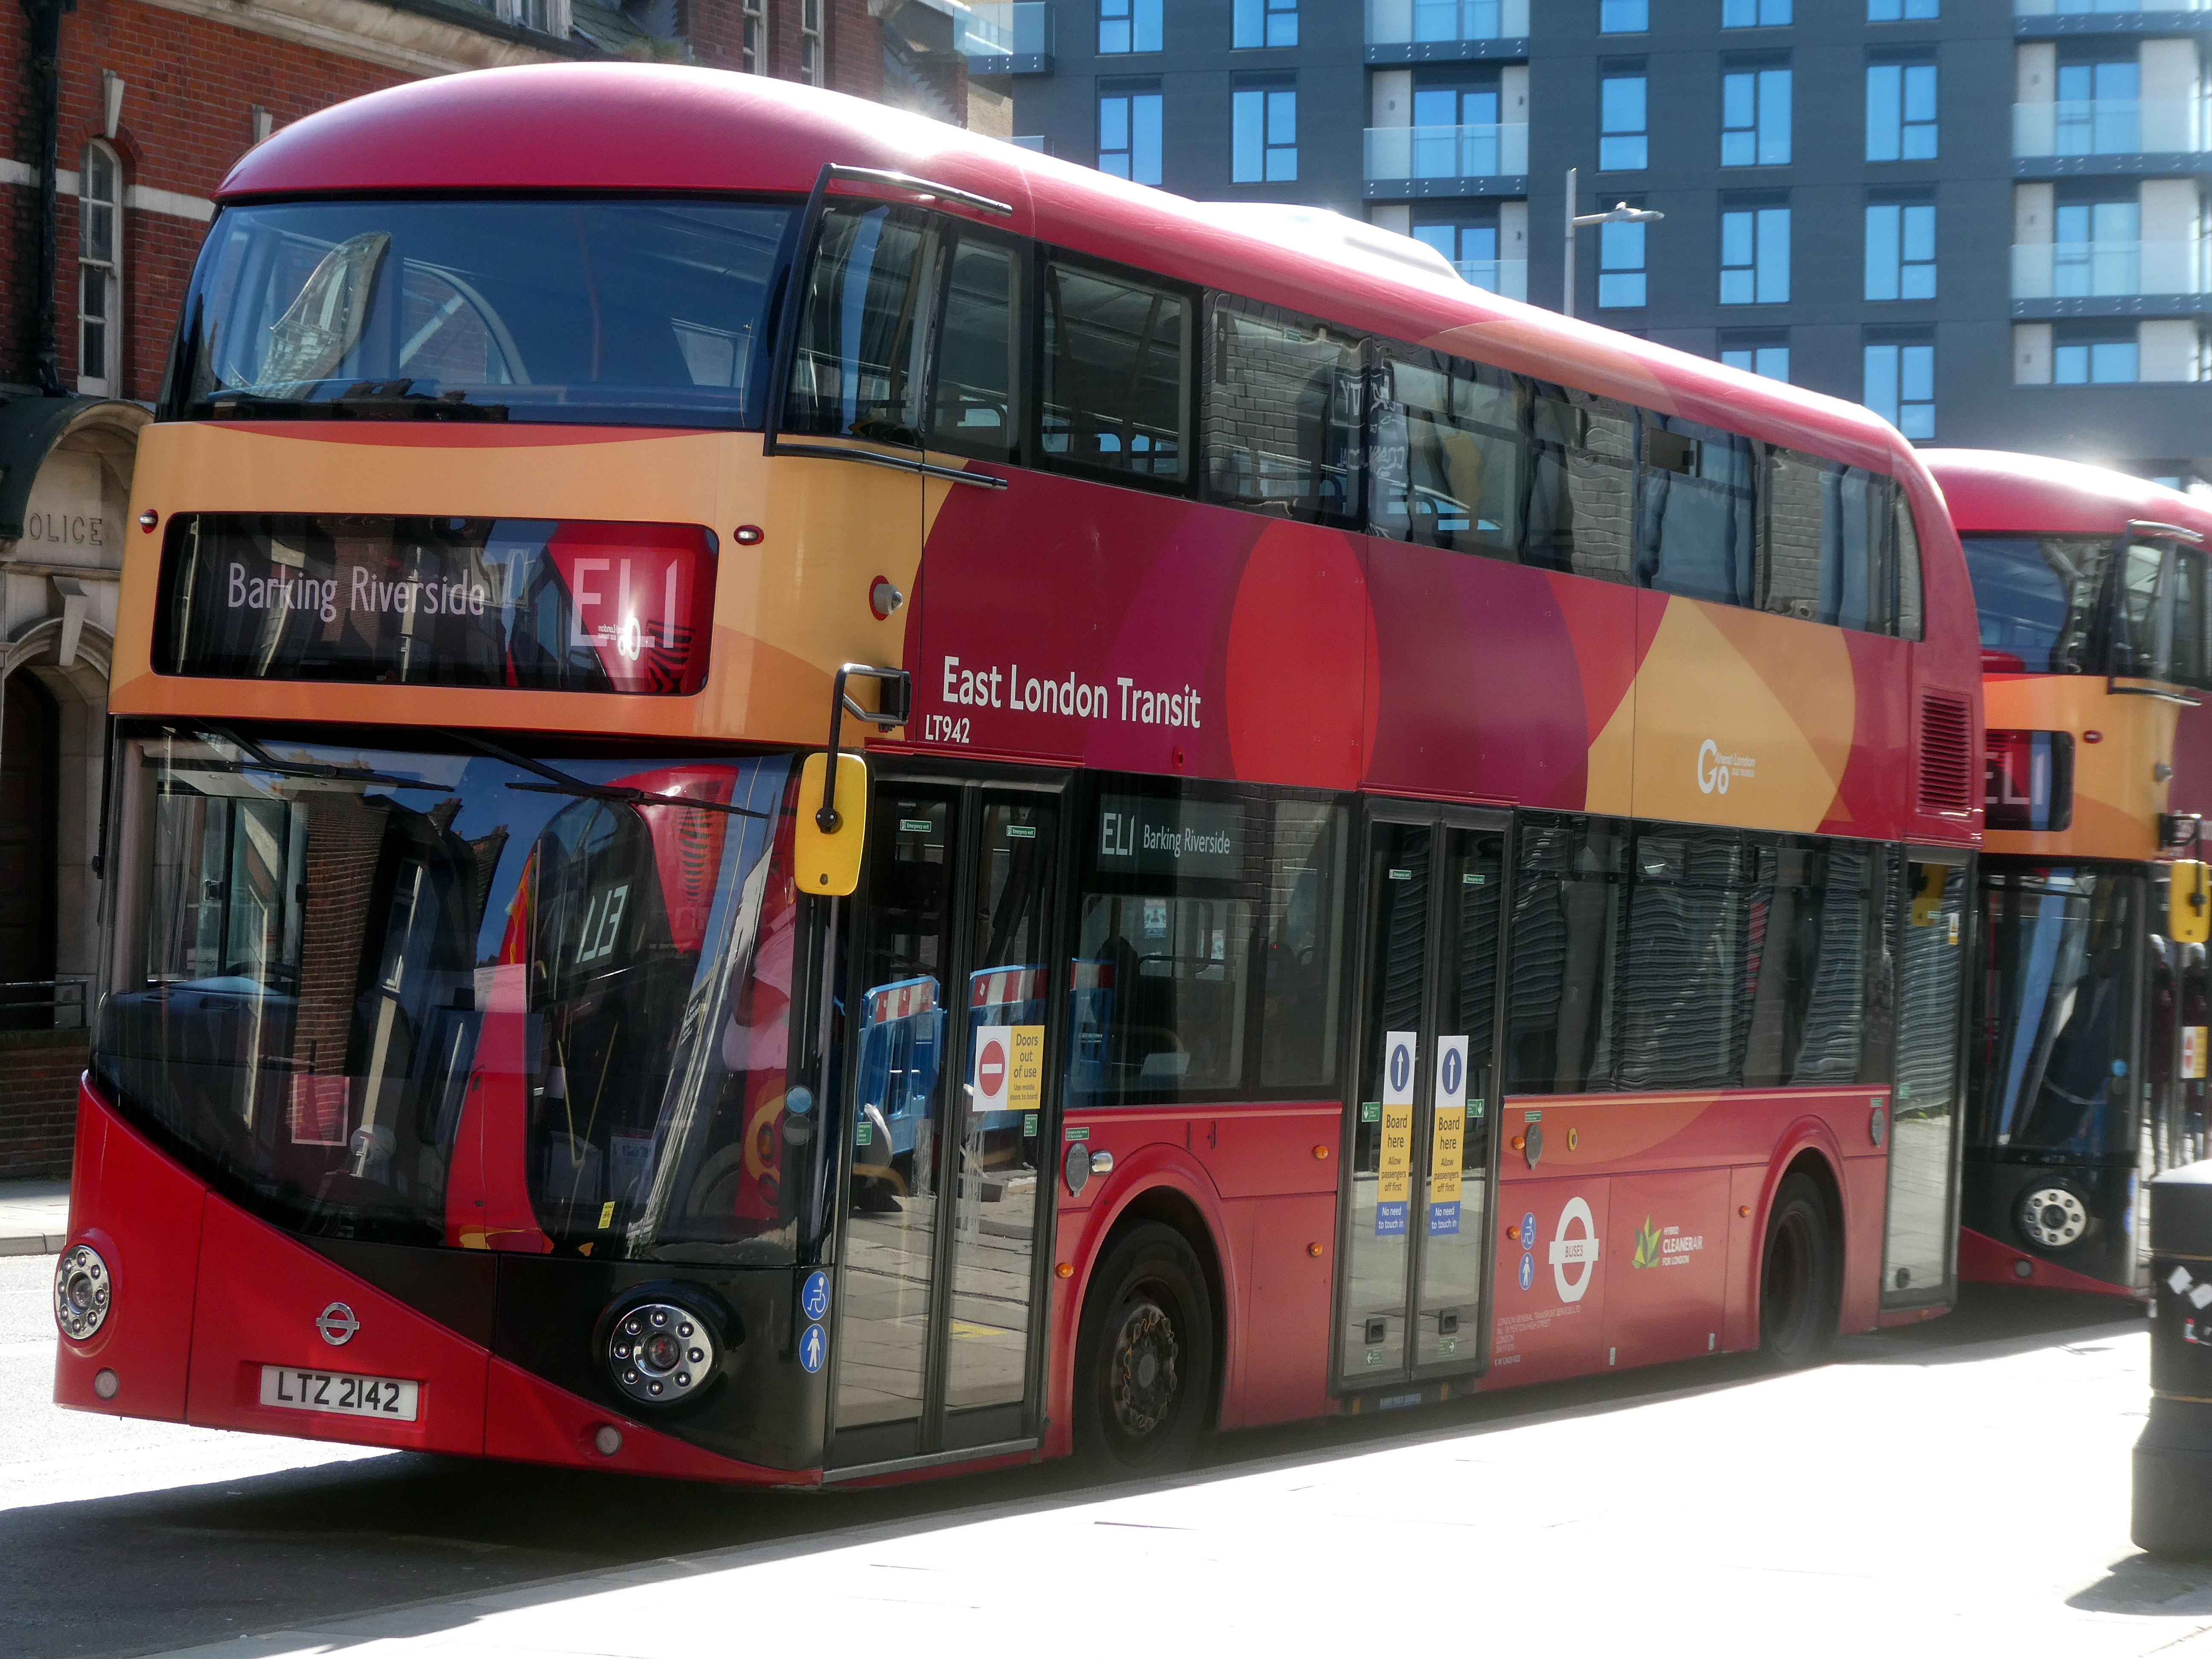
<point>636,127</point>
<point>1990,491</point>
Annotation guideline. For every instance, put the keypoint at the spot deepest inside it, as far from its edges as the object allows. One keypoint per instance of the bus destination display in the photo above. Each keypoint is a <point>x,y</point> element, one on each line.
<point>535,605</point>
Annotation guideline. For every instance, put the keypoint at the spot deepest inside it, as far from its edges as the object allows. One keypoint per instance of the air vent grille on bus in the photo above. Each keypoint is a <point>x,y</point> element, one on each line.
<point>1947,782</point>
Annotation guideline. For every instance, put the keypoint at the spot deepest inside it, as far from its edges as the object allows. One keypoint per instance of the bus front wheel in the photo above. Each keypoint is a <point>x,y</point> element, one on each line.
<point>1144,1355</point>
<point>1798,1279</point>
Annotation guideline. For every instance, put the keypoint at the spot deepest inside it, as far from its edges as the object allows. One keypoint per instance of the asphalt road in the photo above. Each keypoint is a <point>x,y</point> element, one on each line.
<point>123,1538</point>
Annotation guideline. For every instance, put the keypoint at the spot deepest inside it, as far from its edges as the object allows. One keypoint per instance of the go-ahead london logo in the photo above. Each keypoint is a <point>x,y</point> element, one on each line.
<point>1717,769</point>
<point>1574,1250</point>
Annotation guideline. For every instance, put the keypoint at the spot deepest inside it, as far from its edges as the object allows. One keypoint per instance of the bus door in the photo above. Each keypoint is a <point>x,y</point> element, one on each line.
<point>938,1336</point>
<point>1919,1253</point>
<point>1413,1222</point>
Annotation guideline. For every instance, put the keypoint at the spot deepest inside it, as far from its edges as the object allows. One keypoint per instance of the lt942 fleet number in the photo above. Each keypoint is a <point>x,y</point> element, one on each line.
<point>942,728</point>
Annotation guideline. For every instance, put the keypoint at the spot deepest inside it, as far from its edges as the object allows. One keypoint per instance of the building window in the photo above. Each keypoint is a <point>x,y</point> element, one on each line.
<point>2098,112</point>
<point>1456,133</point>
<point>1128,26</point>
<point>1901,385</point>
<point>1129,135</point>
<point>1472,240</point>
<point>1755,118</point>
<point>755,45</point>
<point>1623,142</point>
<point>2099,354</point>
<point>1900,251</point>
<point>1754,256</point>
<point>1624,17</point>
<point>1764,355</point>
<point>1900,112</point>
<point>1901,12</point>
<point>1266,23</point>
<point>1264,136</point>
<point>1620,264</point>
<point>811,68</point>
<point>99,272</point>
<point>1754,14</point>
<point>2097,251</point>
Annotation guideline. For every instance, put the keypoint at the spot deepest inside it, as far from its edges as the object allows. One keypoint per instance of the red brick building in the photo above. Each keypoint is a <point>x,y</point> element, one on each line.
<point>121,116</point>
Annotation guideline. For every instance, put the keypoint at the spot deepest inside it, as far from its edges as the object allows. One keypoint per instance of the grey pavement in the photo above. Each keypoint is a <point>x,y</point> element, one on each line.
<point>33,1217</point>
<point>1958,1488</point>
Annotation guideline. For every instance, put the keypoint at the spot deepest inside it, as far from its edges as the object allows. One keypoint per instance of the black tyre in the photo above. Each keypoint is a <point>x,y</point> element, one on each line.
<point>1799,1277</point>
<point>1144,1356</point>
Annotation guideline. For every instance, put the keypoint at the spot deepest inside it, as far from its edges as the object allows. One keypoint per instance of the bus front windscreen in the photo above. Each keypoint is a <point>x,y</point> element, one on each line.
<point>445,998</point>
<point>2056,1069</point>
<point>625,313</point>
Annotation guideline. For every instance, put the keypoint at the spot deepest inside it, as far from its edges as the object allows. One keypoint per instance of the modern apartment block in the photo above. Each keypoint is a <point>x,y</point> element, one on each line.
<point>1985,218</point>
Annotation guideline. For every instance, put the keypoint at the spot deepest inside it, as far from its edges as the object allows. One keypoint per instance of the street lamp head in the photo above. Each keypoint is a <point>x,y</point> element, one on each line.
<point>1623,214</point>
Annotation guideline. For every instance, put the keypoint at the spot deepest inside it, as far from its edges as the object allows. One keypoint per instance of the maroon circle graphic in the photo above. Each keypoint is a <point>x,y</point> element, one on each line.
<point>991,1070</point>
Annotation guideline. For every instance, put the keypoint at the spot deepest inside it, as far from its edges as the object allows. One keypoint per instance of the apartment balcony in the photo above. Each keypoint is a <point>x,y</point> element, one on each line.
<point>2107,134</point>
<point>1445,31</point>
<point>1508,277</point>
<point>1433,161</point>
<point>2109,279</point>
<point>1001,39</point>
<point>2046,19</point>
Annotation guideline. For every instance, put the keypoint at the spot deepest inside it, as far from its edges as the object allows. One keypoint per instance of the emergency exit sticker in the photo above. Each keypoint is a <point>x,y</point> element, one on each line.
<point>1394,1189</point>
<point>1449,1138</point>
<point>2193,1051</point>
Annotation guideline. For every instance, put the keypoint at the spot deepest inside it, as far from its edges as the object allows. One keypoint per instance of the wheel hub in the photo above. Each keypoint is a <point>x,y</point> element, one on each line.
<point>1144,1370</point>
<point>2053,1217</point>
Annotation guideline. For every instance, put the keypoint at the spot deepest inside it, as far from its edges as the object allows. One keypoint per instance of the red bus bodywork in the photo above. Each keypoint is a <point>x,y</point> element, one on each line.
<point>1278,652</point>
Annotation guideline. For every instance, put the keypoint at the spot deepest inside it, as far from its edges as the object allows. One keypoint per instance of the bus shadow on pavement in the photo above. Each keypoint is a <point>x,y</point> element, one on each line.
<point>2148,1584</point>
<point>421,1540</point>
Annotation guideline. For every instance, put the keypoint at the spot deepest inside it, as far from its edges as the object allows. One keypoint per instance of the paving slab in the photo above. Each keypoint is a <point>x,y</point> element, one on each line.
<point>33,1217</point>
<point>1960,1500</point>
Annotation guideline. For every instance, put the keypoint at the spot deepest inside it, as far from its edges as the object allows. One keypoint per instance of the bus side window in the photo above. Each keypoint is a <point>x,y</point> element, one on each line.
<point>2192,621</point>
<point>1282,413</point>
<point>1116,383</point>
<point>1909,623</point>
<point>1581,450</point>
<point>1697,512</point>
<point>856,371</point>
<point>975,407</point>
<point>1822,557</point>
<point>1447,454</point>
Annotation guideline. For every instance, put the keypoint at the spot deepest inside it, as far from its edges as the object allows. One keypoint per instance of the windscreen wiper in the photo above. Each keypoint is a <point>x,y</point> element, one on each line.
<point>260,760</point>
<point>558,783</point>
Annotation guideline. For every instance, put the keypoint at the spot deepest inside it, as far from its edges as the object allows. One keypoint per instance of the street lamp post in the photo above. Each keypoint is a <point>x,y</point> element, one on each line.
<point>1621,214</point>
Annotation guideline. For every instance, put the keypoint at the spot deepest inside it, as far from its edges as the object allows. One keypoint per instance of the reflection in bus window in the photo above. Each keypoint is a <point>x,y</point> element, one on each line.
<point>1696,518</point>
<point>857,368</point>
<point>422,998</point>
<point>1678,958</point>
<point>1827,554</point>
<point>979,343</point>
<point>1447,451</point>
<point>2038,599</point>
<point>1582,483</point>
<point>638,311</point>
<point>2053,1021</point>
<point>1115,390</point>
<point>1283,429</point>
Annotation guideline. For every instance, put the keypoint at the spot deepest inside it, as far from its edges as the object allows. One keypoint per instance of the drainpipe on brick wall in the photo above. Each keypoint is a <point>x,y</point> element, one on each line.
<point>45,17</point>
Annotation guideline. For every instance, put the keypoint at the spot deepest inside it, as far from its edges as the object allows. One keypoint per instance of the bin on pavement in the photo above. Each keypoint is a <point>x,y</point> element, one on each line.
<point>2173,1511</point>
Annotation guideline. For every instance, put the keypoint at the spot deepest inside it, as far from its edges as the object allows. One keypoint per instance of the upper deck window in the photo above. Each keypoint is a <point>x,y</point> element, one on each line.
<point>634,312</point>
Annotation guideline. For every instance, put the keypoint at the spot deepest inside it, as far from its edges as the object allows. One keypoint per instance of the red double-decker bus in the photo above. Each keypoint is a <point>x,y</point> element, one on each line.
<point>1404,844</point>
<point>2087,1074</point>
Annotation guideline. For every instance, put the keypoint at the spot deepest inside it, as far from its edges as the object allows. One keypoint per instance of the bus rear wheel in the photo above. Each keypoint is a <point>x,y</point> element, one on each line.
<point>1144,1356</point>
<point>1798,1279</point>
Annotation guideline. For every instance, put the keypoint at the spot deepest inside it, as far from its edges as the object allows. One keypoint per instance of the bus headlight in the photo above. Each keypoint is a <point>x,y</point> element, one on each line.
<point>83,1289</point>
<point>659,1352</point>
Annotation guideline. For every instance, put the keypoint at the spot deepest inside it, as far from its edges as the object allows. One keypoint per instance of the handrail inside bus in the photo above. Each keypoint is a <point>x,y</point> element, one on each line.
<point>2157,529</point>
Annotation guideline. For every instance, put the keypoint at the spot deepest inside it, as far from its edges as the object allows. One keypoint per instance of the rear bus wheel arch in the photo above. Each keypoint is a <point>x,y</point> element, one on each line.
<point>1798,1290</point>
<point>1158,1207</point>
